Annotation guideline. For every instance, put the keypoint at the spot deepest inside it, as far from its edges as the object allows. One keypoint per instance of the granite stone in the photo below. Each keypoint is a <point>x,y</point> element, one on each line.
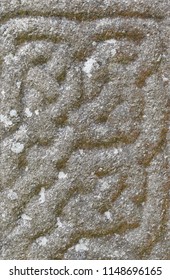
<point>84,129</point>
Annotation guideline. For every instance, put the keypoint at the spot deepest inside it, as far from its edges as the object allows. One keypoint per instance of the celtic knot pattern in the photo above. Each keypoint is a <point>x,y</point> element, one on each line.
<point>84,133</point>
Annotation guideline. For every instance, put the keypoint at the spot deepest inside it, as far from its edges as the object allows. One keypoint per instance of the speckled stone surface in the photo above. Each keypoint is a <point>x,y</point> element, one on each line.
<point>84,129</point>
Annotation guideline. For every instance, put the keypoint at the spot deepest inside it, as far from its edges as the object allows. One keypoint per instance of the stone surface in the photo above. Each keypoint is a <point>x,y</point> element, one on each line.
<point>84,127</point>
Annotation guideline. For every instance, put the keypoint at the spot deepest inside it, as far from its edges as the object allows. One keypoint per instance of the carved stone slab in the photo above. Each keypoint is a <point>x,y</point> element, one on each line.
<point>84,129</point>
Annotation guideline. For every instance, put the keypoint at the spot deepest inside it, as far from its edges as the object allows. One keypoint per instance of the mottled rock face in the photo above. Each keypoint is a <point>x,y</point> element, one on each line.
<point>84,127</point>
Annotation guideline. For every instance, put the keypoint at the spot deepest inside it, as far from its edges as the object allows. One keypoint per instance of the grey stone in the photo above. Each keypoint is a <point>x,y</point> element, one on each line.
<point>84,129</point>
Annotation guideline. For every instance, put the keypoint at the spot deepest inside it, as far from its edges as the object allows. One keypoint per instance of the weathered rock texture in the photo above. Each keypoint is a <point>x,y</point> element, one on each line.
<point>85,140</point>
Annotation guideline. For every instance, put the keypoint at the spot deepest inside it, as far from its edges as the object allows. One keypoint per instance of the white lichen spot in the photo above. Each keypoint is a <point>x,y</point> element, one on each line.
<point>3,93</point>
<point>28,113</point>
<point>18,84</point>
<point>165,79</point>
<point>5,120</point>
<point>42,241</point>
<point>59,223</point>
<point>116,151</point>
<point>88,65</point>
<point>12,195</point>
<point>81,152</point>
<point>17,147</point>
<point>42,195</point>
<point>3,215</point>
<point>108,215</point>
<point>37,112</point>
<point>26,217</point>
<point>104,185</point>
<point>111,41</point>
<point>13,113</point>
<point>26,168</point>
<point>159,58</point>
<point>9,58</point>
<point>100,169</point>
<point>81,246</point>
<point>62,175</point>
<point>116,254</point>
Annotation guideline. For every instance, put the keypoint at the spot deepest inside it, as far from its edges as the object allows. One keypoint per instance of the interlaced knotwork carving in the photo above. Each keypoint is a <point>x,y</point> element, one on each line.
<point>84,157</point>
